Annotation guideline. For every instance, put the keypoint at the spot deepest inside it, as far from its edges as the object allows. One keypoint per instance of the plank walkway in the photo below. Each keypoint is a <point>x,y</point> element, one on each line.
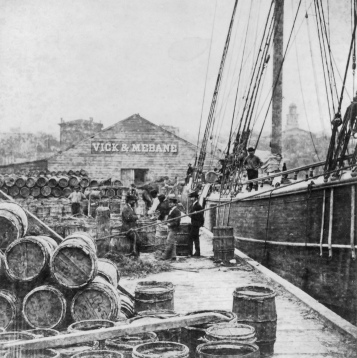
<point>300,332</point>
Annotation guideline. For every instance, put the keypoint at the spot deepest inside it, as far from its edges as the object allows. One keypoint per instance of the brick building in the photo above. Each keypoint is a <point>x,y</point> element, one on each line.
<point>133,150</point>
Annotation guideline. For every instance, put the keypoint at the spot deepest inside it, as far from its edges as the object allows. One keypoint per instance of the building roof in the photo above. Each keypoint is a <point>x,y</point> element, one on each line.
<point>78,121</point>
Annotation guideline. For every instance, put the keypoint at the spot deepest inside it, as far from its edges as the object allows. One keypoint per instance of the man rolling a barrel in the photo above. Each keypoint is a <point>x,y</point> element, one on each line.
<point>197,220</point>
<point>129,225</point>
<point>174,219</point>
<point>75,199</point>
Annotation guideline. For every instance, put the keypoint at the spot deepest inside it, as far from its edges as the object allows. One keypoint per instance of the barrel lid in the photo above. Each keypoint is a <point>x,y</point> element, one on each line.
<point>230,315</point>
<point>230,349</point>
<point>161,349</point>
<point>154,287</point>
<point>90,324</point>
<point>135,339</point>
<point>229,331</point>
<point>254,292</point>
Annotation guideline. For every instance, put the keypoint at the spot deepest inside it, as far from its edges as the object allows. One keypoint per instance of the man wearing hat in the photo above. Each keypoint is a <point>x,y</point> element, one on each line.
<point>129,225</point>
<point>189,173</point>
<point>197,220</point>
<point>76,198</point>
<point>174,227</point>
<point>252,163</point>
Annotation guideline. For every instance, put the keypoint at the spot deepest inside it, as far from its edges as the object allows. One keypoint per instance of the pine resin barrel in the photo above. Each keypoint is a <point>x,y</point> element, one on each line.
<point>154,295</point>
<point>8,308</point>
<point>146,235</point>
<point>13,223</point>
<point>43,212</point>
<point>30,182</point>
<point>74,263</point>
<point>46,191</point>
<point>25,192</point>
<point>35,191</point>
<point>108,270</point>
<point>44,332</point>
<point>41,181</point>
<point>227,349</point>
<point>41,353</point>
<point>124,349</point>
<point>10,181</point>
<point>161,236</point>
<point>192,336</point>
<point>171,335</point>
<point>56,192</point>
<point>98,354</point>
<point>20,181</point>
<point>161,349</point>
<point>83,172</point>
<point>44,307</point>
<point>67,191</point>
<point>255,306</point>
<point>240,333</point>
<point>110,192</point>
<point>68,351</point>
<point>73,181</point>
<point>127,306</point>
<point>97,300</point>
<point>84,182</point>
<point>14,191</point>
<point>63,181</point>
<point>7,337</point>
<point>90,325</point>
<point>93,183</point>
<point>120,243</point>
<point>182,240</point>
<point>52,182</point>
<point>223,243</point>
<point>84,237</point>
<point>27,258</point>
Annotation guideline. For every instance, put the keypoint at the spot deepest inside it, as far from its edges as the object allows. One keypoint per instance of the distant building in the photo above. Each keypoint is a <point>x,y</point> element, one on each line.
<point>172,129</point>
<point>292,118</point>
<point>72,132</point>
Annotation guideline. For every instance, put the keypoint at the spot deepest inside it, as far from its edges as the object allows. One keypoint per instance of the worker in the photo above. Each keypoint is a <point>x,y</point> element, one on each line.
<point>129,225</point>
<point>174,227</point>
<point>155,203</point>
<point>252,163</point>
<point>163,208</point>
<point>76,197</point>
<point>197,221</point>
<point>189,173</point>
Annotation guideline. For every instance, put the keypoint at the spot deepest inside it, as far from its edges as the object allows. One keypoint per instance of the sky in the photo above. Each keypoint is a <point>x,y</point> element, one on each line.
<point>109,59</point>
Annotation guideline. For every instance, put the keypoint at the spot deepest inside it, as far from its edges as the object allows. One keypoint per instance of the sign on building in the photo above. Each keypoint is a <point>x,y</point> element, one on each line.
<point>116,146</point>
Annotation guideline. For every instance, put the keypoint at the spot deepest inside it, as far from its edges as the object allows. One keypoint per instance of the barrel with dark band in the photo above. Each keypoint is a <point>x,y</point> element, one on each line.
<point>255,306</point>
<point>154,295</point>
<point>183,240</point>
<point>223,243</point>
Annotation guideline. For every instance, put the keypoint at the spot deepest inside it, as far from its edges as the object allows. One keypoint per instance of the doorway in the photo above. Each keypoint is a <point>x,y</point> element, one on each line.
<point>140,176</point>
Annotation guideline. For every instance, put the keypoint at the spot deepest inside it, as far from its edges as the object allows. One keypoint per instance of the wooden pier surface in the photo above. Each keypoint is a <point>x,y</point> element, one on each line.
<point>300,332</point>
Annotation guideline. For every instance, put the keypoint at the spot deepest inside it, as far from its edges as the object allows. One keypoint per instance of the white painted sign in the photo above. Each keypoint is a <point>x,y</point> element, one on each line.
<point>112,147</point>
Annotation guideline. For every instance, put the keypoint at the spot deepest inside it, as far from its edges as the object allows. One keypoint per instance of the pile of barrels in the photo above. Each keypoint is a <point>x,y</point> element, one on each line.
<point>55,184</point>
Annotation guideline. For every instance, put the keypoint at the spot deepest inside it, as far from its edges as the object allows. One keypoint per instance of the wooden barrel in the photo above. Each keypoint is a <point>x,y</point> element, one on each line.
<point>25,192</point>
<point>93,183</point>
<point>20,181</point>
<point>8,308</point>
<point>71,350</point>
<point>130,341</point>
<point>35,191</point>
<point>14,191</point>
<point>255,306</point>
<point>43,212</point>
<point>73,181</point>
<point>41,181</point>
<point>240,333</point>
<point>77,173</point>
<point>70,172</point>
<point>89,325</point>
<point>44,307</point>
<point>114,206</point>
<point>66,192</point>
<point>41,353</point>
<point>161,236</point>
<point>56,192</point>
<point>46,191</point>
<point>84,182</point>
<point>127,305</point>
<point>102,221</point>
<point>171,335</point>
<point>124,349</point>
<point>10,181</point>
<point>120,243</point>
<point>44,332</point>
<point>147,235</point>
<point>7,337</point>
<point>223,243</point>
<point>30,182</point>
<point>110,192</point>
<point>82,236</point>
<point>192,335</point>
<point>227,349</point>
<point>98,354</point>
<point>97,300</point>
<point>13,223</point>
<point>83,172</point>
<point>109,270</point>
<point>161,349</point>
<point>211,177</point>
<point>210,216</point>
<point>154,295</point>
<point>63,181</point>
<point>182,238</point>
<point>116,183</point>
<point>5,189</point>
<point>56,210</point>
<point>52,182</point>
<point>27,258</point>
<point>70,229</point>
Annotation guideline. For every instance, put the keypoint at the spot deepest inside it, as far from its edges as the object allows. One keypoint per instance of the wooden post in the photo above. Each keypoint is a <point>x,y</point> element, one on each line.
<point>330,225</point>
<point>322,221</point>
<point>353,220</point>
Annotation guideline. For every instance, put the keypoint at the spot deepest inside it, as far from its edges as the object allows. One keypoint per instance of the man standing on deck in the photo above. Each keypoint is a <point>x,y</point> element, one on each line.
<point>252,163</point>
<point>189,173</point>
<point>174,227</point>
<point>197,220</point>
<point>129,225</point>
<point>76,198</point>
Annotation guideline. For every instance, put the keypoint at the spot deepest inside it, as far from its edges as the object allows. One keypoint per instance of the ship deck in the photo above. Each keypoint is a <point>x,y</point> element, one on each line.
<point>200,284</point>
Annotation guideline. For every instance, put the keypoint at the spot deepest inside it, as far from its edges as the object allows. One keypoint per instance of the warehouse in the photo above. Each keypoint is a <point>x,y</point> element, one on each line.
<point>133,150</point>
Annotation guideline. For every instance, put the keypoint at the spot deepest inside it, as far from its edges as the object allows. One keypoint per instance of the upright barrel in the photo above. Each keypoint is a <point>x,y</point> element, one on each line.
<point>183,240</point>
<point>146,234</point>
<point>98,354</point>
<point>29,257</point>
<point>13,223</point>
<point>161,236</point>
<point>44,307</point>
<point>74,262</point>
<point>255,306</point>
<point>102,221</point>
<point>241,333</point>
<point>223,243</point>
<point>154,295</point>
<point>227,349</point>
<point>161,349</point>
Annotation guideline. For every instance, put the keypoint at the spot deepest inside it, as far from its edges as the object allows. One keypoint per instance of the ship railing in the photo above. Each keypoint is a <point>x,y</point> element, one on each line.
<point>230,188</point>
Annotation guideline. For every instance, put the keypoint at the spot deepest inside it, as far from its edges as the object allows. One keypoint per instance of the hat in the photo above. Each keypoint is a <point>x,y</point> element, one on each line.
<point>194,194</point>
<point>172,198</point>
<point>161,196</point>
<point>189,164</point>
<point>251,149</point>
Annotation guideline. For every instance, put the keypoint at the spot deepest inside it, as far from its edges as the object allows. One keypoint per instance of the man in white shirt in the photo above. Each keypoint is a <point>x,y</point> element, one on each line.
<point>76,198</point>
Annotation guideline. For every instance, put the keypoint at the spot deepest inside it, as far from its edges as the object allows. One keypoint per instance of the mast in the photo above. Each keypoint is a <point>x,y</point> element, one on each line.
<point>277,103</point>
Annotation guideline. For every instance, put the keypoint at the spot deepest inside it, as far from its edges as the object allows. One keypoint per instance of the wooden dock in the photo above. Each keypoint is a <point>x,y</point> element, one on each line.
<point>301,332</point>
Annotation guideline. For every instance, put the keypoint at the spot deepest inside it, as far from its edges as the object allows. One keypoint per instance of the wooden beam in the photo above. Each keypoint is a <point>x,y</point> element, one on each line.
<point>117,331</point>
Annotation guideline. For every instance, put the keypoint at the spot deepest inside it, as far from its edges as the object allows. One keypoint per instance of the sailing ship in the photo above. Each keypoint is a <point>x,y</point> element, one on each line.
<point>300,223</point>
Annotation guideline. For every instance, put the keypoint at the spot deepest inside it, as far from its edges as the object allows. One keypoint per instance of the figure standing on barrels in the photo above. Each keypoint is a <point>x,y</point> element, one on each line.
<point>129,225</point>
<point>76,198</point>
<point>197,220</point>
<point>174,221</point>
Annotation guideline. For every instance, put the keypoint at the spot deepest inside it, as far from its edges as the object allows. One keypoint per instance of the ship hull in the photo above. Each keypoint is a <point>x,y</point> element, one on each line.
<point>284,232</point>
